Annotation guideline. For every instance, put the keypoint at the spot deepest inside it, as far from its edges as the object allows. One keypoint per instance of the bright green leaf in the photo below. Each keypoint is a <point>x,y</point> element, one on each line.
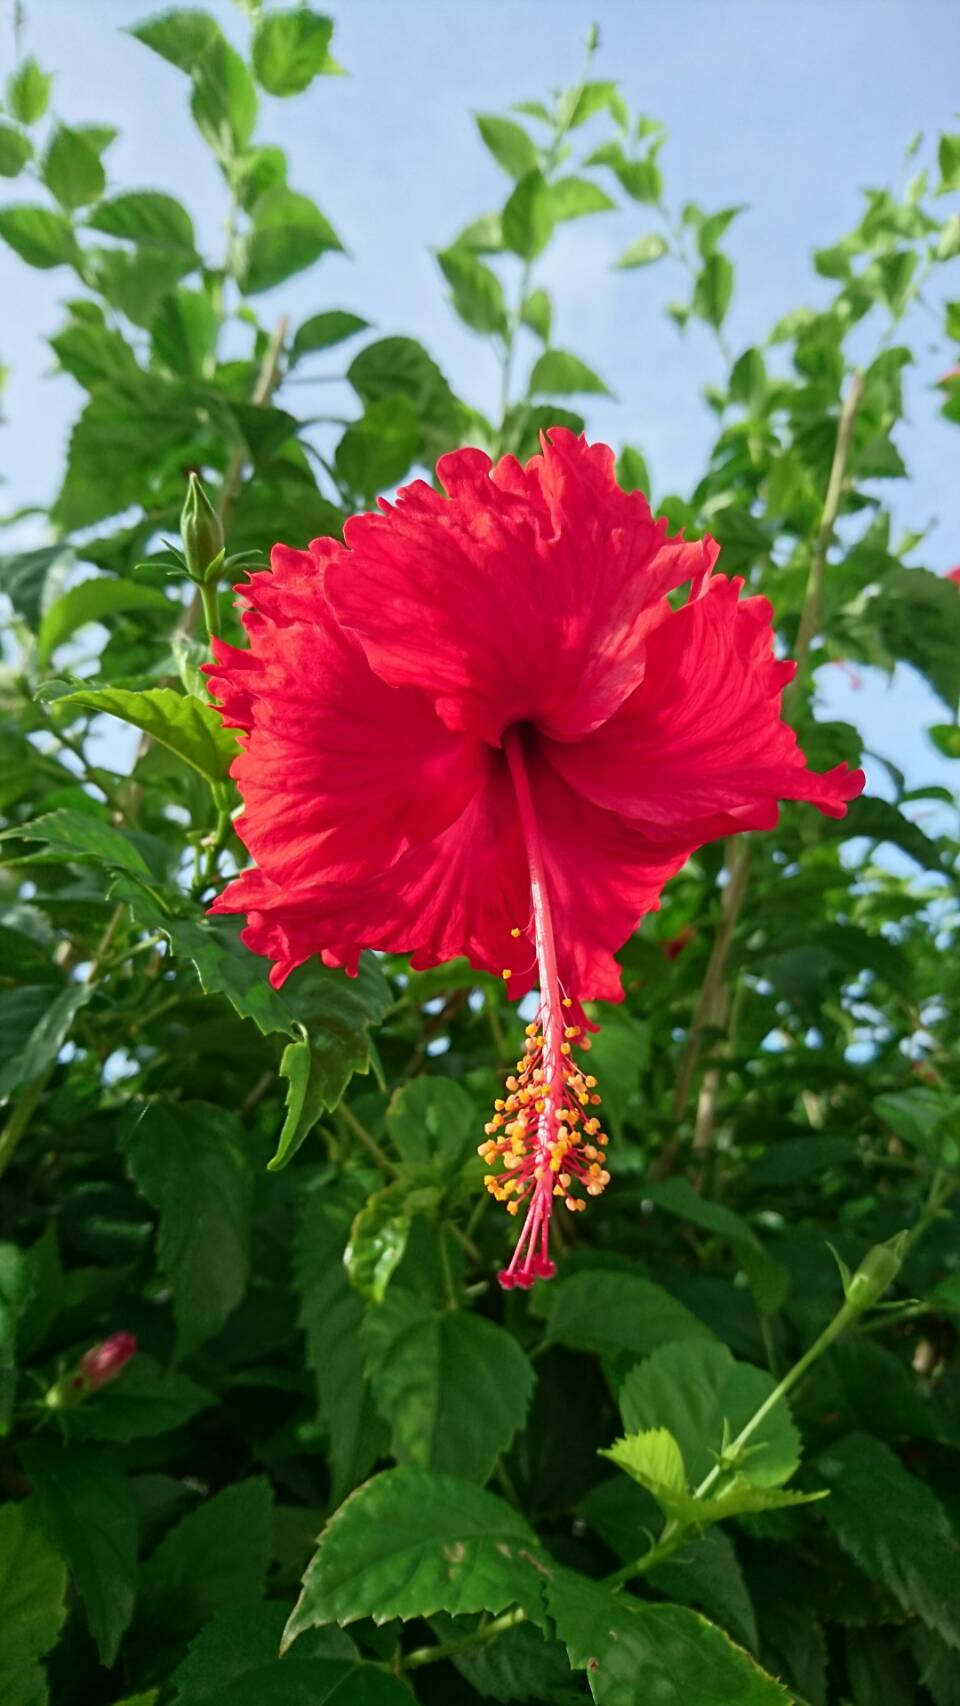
<point>288,233</point>
<point>72,170</point>
<point>28,92</point>
<point>15,150</point>
<point>290,49</point>
<point>92,601</point>
<point>190,728</point>
<point>40,237</point>
<point>528,217</point>
<point>643,251</point>
<point>558,374</point>
<point>509,144</point>
<point>322,331</point>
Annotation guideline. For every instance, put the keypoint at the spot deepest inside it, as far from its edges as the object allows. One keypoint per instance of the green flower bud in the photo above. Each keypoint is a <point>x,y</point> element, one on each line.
<point>876,1273</point>
<point>202,534</point>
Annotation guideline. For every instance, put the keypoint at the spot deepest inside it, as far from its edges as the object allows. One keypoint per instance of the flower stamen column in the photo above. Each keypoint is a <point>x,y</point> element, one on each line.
<point>550,1140</point>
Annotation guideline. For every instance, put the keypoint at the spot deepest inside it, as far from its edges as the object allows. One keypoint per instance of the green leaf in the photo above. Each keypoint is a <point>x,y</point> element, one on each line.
<point>216,1556</point>
<point>707,1575</point>
<point>433,1119</point>
<point>81,836</point>
<point>377,450</point>
<point>609,1312</point>
<point>233,1662</point>
<point>453,1387</point>
<point>92,353</point>
<point>558,374</point>
<point>683,1659</point>
<point>411,1543</point>
<point>643,251</point>
<point>33,1583</point>
<point>921,1116</point>
<point>894,1527</point>
<point>712,228</point>
<point>881,821</point>
<point>224,966</point>
<point>72,169</point>
<point>948,159</point>
<point>632,471</point>
<point>768,1279</point>
<point>477,291</point>
<point>528,217</point>
<point>379,1234</point>
<point>223,100</point>
<point>322,331</point>
<point>290,49</point>
<point>88,1507</point>
<point>92,601</point>
<point>16,1285</point>
<point>40,237</point>
<point>288,234</point>
<point>713,289</point>
<point>15,150</point>
<point>23,577</point>
<point>335,1045</point>
<point>704,1397</point>
<point>181,36</point>
<point>145,1400</point>
<point>401,367</point>
<point>573,198</point>
<point>917,616</point>
<point>189,1163</point>
<point>509,144</point>
<point>948,244</point>
<point>187,726</point>
<point>36,1024</point>
<point>28,92</point>
<point>183,333</point>
<point>148,218</point>
<point>537,313</point>
<point>331,1314</point>
<point>640,178</point>
<point>653,1458</point>
<point>590,98</point>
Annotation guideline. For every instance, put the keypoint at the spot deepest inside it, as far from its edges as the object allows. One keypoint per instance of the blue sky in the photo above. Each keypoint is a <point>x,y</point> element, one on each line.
<point>789,106</point>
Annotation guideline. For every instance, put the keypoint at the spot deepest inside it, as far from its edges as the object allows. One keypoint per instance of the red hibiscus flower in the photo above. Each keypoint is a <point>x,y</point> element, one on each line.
<point>954,575</point>
<point>480,728</point>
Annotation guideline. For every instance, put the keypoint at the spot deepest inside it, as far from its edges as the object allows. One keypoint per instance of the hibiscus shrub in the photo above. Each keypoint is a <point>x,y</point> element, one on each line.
<point>251,1331</point>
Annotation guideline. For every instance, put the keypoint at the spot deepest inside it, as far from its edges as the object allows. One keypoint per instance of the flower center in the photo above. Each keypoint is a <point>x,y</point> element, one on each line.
<point>543,1135</point>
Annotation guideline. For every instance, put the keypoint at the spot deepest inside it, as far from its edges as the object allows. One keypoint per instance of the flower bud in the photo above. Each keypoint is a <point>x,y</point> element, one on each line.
<point>97,1367</point>
<point>202,534</point>
<point>876,1273</point>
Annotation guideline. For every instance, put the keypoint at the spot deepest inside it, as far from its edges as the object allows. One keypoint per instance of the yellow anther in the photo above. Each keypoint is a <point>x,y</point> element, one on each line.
<point>531,1030</point>
<point>558,1190</point>
<point>515,931</point>
<point>513,1207</point>
<point>590,1082</point>
<point>506,974</point>
<point>594,1189</point>
<point>512,1084</point>
<point>572,1204</point>
<point>572,1031</point>
<point>596,1100</point>
<point>511,1159</point>
<point>565,1180</point>
<point>564,1048</point>
<point>566,1001</point>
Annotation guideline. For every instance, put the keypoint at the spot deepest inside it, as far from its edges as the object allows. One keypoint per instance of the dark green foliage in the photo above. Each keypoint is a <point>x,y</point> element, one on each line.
<point>686,1470</point>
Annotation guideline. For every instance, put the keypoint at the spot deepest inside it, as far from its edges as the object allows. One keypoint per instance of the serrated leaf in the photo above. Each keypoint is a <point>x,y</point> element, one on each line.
<point>331,1314</point>
<point>477,291</point>
<point>72,168</point>
<point>322,331</point>
<point>233,1662</point>
<point>15,150</point>
<point>180,36</point>
<point>379,1234</point>
<point>557,373</point>
<point>290,49</point>
<point>895,1528</point>
<point>653,1458</point>
<point>33,1584</point>
<point>318,1066</point>
<point>80,835</point>
<point>36,1024</point>
<point>187,726</point>
<point>288,233</point>
<point>145,1400</point>
<point>92,601</point>
<point>223,100</point>
<point>411,1543</point>
<point>28,92</point>
<point>529,217</point>
<point>377,450</point>
<point>224,966</point>
<point>509,144</point>
<point>39,236</point>
<point>88,1507</point>
<point>453,1387</point>
<point>148,218</point>
<point>433,1119</point>
<point>189,1164</point>
<point>216,1556</point>
<point>609,1312</point>
<point>683,1659</point>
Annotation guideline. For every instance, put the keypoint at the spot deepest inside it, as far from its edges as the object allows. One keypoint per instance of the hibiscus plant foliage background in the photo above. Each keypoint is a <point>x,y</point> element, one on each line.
<point>250,1330</point>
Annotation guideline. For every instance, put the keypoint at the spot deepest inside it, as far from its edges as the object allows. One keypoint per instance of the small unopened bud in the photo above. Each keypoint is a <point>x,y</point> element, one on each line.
<point>876,1273</point>
<point>202,534</point>
<point>96,1368</point>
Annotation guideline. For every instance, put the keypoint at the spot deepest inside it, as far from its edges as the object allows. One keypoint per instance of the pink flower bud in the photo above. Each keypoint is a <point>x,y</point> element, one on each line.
<point>103,1362</point>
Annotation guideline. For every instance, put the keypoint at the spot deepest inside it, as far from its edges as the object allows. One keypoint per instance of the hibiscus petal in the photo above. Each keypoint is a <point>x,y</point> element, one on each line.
<point>524,596</point>
<point>700,749</point>
<point>341,774</point>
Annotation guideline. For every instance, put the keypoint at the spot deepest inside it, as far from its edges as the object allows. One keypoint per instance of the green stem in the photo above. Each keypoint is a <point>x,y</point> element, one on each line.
<point>346,1117</point>
<point>210,600</point>
<point>446,1269</point>
<point>478,1638</point>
